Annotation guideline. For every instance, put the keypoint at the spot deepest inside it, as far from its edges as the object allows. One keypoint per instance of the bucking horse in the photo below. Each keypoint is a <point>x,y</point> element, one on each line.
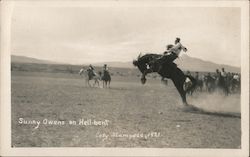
<point>182,82</point>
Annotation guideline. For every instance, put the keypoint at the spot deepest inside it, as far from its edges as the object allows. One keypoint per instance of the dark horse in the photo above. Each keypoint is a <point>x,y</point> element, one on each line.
<point>217,82</point>
<point>106,78</point>
<point>223,83</point>
<point>210,83</point>
<point>167,70</point>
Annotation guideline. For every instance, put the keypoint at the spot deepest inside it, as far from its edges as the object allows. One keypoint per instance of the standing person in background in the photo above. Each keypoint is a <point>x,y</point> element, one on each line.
<point>188,73</point>
<point>217,74</point>
<point>196,75</point>
<point>223,73</point>
<point>224,81</point>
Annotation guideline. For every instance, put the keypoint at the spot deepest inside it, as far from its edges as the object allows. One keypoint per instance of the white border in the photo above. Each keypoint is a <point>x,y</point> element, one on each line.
<point>6,150</point>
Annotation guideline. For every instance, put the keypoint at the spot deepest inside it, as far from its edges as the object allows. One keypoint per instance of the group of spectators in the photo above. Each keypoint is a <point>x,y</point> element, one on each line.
<point>228,81</point>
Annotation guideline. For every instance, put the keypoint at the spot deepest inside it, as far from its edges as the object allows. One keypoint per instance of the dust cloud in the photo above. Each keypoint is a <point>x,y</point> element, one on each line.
<point>216,102</point>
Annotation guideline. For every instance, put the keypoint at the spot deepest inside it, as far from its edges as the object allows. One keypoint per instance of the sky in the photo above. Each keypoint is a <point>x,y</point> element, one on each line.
<point>80,35</point>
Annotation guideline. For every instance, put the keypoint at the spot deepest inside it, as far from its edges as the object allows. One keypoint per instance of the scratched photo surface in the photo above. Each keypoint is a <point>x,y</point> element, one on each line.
<point>63,95</point>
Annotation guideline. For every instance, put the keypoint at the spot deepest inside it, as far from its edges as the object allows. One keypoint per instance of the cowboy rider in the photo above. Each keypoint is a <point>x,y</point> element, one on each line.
<point>91,67</point>
<point>105,68</point>
<point>172,52</point>
<point>91,70</point>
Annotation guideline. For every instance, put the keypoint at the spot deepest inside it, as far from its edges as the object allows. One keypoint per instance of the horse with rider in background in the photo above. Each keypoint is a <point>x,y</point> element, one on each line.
<point>210,82</point>
<point>235,83</point>
<point>199,82</point>
<point>105,76</point>
<point>90,74</point>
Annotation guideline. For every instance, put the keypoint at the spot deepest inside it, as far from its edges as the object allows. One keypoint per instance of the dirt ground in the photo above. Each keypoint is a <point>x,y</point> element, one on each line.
<point>126,115</point>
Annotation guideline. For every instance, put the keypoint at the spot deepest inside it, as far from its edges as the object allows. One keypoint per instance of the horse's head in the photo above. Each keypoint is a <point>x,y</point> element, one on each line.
<point>141,63</point>
<point>135,62</point>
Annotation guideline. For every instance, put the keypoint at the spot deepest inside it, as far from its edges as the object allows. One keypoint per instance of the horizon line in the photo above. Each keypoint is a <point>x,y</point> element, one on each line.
<point>99,62</point>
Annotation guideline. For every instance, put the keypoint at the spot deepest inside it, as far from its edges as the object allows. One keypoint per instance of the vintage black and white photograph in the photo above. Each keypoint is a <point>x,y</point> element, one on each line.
<point>126,76</point>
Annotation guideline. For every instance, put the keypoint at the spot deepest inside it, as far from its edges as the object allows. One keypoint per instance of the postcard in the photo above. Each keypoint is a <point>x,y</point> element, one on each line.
<point>124,78</point>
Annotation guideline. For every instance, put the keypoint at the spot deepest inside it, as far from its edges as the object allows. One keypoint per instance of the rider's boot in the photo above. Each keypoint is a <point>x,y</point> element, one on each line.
<point>160,62</point>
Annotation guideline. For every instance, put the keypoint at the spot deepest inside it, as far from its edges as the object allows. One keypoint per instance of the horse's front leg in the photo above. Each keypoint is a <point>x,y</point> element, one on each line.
<point>86,82</point>
<point>98,83</point>
<point>89,83</point>
<point>143,77</point>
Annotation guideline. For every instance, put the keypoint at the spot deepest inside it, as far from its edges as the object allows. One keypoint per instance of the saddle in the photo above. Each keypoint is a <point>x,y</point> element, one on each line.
<point>158,63</point>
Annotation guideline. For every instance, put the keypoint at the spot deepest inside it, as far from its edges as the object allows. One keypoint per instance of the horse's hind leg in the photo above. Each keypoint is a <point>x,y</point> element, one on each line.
<point>98,83</point>
<point>103,85</point>
<point>226,90</point>
<point>109,83</point>
<point>106,84</point>
<point>181,92</point>
<point>87,83</point>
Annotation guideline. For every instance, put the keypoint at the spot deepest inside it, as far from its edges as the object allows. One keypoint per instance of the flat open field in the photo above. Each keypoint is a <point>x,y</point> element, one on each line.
<point>126,115</point>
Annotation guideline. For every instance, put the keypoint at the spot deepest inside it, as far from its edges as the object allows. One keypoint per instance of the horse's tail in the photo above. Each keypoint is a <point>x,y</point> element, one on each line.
<point>193,85</point>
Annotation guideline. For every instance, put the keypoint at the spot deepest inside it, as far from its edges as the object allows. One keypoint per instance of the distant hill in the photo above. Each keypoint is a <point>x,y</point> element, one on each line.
<point>116,64</point>
<point>185,63</point>
<point>196,64</point>
<point>23,59</point>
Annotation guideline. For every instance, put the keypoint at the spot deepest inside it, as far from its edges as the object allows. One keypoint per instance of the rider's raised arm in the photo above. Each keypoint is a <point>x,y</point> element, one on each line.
<point>178,46</point>
<point>182,47</point>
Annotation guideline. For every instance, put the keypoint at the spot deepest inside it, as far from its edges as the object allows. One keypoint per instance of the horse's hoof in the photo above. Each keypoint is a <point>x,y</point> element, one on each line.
<point>160,112</point>
<point>191,108</point>
<point>143,80</point>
